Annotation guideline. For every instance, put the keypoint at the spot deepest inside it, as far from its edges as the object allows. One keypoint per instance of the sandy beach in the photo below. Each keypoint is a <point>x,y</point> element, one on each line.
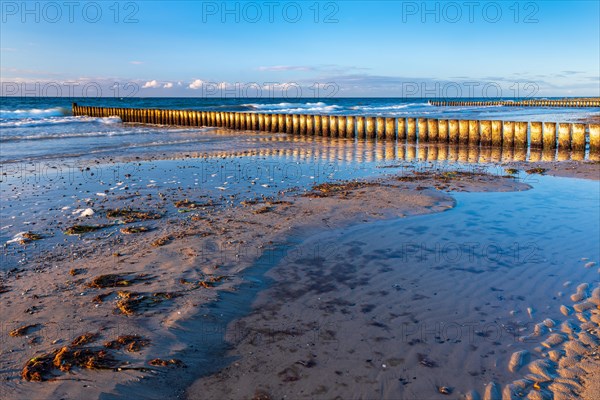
<point>295,293</point>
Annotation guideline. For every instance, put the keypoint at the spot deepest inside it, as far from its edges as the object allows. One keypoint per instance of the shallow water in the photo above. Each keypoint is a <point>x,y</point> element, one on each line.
<point>453,286</point>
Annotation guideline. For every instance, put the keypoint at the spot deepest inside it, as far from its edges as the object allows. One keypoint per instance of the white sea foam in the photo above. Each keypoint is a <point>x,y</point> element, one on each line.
<point>34,113</point>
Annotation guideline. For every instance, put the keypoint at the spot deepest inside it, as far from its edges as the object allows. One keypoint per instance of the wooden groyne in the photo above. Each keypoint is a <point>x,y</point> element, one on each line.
<point>495,133</point>
<point>577,103</point>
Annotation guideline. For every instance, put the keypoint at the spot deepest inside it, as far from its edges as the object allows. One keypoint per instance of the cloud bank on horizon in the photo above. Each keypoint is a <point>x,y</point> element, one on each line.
<point>301,49</point>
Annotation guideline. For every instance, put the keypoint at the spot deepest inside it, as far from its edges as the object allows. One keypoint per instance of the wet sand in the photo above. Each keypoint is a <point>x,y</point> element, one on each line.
<point>198,252</point>
<point>388,316</point>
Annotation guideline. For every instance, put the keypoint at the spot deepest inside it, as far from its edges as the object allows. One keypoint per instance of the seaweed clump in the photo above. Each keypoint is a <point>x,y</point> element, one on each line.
<point>157,362</point>
<point>193,205</point>
<point>42,367</point>
<point>134,229</point>
<point>116,280</point>
<point>128,215</point>
<point>132,343</point>
<point>81,229</point>
<point>23,330</point>
<point>540,171</point>
<point>130,303</point>
<point>333,189</point>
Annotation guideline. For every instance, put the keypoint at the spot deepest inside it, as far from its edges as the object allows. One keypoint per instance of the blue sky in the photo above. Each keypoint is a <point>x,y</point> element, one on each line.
<point>342,48</point>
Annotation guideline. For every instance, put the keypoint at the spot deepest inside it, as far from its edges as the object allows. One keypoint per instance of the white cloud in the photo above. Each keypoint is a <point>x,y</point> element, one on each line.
<point>136,62</point>
<point>285,68</point>
<point>197,84</point>
<point>168,85</point>
<point>151,84</point>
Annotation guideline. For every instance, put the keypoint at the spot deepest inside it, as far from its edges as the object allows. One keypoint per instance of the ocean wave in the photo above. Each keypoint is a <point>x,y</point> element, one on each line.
<point>32,122</point>
<point>294,107</point>
<point>34,113</point>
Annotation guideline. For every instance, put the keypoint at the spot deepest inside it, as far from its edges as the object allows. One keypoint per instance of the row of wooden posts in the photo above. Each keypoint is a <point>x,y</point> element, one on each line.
<point>521,103</point>
<point>546,135</point>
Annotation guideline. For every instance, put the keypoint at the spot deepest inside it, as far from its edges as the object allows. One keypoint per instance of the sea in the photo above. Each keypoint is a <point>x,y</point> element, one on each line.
<point>33,128</point>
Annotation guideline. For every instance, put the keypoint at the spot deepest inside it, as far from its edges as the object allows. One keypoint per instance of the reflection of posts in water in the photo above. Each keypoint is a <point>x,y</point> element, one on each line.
<point>422,135</point>
<point>411,130</point>
<point>548,154</point>
<point>507,154</point>
<point>360,127</point>
<point>453,153</point>
<point>432,130</point>
<point>442,153</point>
<point>422,153</point>
<point>535,154</point>
<point>549,136</point>
<point>390,150</point>
<point>411,152</point>
<point>432,153</point>
<point>496,155</point>
<point>463,154</point>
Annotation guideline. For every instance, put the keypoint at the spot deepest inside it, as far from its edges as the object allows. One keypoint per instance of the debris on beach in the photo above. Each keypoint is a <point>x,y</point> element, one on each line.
<point>129,303</point>
<point>117,280</point>
<point>81,229</point>
<point>42,367</point>
<point>333,189</point>
<point>23,330</point>
<point>76,271</point>
<point>193,205</point>
<point>444,390</point>
<point>132,343</point>
<point>84,339</point>
<point>511,171</point>
<point>134,229</point>
<point>425,361</point>
<point>127,215</point>
<point>162,241</point>
<point>263,210</point>
<point>29,237</point>
<point>538,170</point>
<point>157,362</point>
<point>100,298</point>
<point>206,283</point>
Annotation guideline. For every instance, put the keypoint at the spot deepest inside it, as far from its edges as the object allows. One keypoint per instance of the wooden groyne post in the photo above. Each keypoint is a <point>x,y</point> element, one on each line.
<point>546,136</point>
